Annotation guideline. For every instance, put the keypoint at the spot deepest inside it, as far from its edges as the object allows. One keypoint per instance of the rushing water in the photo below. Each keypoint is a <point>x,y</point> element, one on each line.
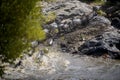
<point>63,66</point>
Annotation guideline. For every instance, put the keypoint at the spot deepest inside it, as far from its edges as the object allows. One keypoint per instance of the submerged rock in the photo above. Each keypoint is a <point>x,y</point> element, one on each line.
<point>109,43</point>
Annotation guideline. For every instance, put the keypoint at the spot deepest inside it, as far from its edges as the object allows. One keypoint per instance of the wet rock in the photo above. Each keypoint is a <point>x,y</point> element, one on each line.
<point>50,41</point>
<point>116,22</point>
<point>113,12</point>
<point>18,64</point>
<point>109,42</point>
<point>64,47</point>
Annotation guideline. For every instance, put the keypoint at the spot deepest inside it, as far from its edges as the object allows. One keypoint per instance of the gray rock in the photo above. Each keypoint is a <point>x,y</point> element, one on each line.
<point>34,43</point>
<point>109,42</point>
<point>76,21</point>
<point>100,21</point>
<point>54,25</point>
<point>50,42</point>
<point>77,16</point>
<point>66,12</point>
<point>40,54</point>
<point>46,30</point>
<point>95,8</point>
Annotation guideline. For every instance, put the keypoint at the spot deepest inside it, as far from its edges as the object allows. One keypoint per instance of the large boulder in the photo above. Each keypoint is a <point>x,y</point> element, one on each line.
<point>72,15</point>
<point>78,22</point>
<point>109,43</point>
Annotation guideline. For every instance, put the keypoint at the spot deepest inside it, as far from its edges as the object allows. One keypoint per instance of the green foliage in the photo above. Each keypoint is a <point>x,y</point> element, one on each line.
<point>99,2</point>
<point>49,17</point>
<point>20,23</point>
<point>34,21</point>
<point>100,12</point>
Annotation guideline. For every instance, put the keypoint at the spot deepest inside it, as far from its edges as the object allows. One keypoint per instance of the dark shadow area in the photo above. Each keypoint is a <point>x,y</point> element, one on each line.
<point>88,1</point>
<point>97,52</point>
<point>118,45</point>
<point>112,10</point>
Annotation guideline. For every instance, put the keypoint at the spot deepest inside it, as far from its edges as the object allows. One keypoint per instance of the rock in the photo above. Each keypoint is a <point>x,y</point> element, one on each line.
<point>34,43</point>
<point>100,21</point>
<point>76,16</point>
<point>50,42</point>
<point>69,14</point>
<point>54,25</point>
<point>18,64</point>
<point>109,42</point>
<point>64,47</point>
<point>116,22</point>
<point>46,30</point>
<point>95,8</point>
<point>40,54</point>
<point>77,22</point>
<point>113,13</point>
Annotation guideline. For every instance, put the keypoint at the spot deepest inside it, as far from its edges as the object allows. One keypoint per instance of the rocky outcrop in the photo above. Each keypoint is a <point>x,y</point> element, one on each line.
<point>75,39</point>
<point>72,15</point>
<point>107,43</point>
<point>77,23</point>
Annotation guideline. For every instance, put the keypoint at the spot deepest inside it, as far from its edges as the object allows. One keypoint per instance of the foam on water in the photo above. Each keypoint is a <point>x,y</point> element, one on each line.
<point>63,66</point>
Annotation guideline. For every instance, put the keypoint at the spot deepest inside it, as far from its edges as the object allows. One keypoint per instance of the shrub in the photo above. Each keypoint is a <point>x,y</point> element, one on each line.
<point>102,13</point>
<point>20,23</point>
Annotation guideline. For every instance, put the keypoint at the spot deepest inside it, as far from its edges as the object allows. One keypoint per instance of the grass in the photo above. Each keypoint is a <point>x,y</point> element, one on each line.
<point>50,17</point>
<point>94,2</point>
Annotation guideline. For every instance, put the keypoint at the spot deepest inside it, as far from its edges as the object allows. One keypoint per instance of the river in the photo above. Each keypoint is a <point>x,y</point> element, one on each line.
<point>64,66</point>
